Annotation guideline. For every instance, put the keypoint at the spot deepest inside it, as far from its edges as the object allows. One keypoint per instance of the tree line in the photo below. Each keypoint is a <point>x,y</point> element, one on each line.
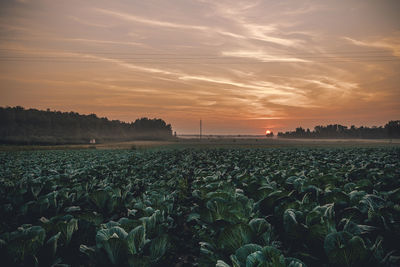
<point>390,130</point>
<point>32,126</point>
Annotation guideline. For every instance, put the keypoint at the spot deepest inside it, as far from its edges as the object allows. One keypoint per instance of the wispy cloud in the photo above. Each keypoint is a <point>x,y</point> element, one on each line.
<point>392,44</point>
<point>257,91</point>
<point>231,34</point>
<point>71,55</point>
<point>9,27</point>
<point>259,88</point>
<point>129,65</point>
<point>262,56</point>
<point>266,33</point>
<point>304,10</point>
<point>250,30</point>
<point>84,40</point>
<point>52,38</point>
<point>174,25</point>
<point>90,23</point>
<point>329,83</point>
<point>228,10</point>
<point>152,22</point>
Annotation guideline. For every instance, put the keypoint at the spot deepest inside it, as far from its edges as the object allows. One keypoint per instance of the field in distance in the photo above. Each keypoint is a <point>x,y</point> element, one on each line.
<point>215,141</point>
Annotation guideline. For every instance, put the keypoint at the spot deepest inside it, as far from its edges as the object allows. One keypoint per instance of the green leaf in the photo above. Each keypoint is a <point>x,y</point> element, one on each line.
<point>207,248</point>
<point>100,198</point>
<point>267,204</point>
<point>320,222</point>
<point>152,223</point>
<point>357,250</point>
<point>259,226</point>
<point>67,229</point>
<point>128,224</point>
<point>193,217</point>
<point>72,209</point>
<point>235,236</point>
<point>219,209</point>
<point>267,257</point>
<point>158,247</point>
<point>112,241</point>
<point>114,232</point>
<point>235,261</point>
<point>336,196</point>
<point>293,229</point>
<point>293,262</point>
<point>242,253</point>
<point>394,195</point>
<point>24,243</point>
<point>51,244</point>
<point>89,251</point>
<point>138,261</point>
<point>136,239</point>
<point>256,259</point>
<point>343,249</point>
<point>36,187</point>
<point>221,263</point>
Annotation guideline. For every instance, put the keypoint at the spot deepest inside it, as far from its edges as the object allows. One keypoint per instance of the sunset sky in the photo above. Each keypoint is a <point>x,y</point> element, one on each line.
<point>241,66</point>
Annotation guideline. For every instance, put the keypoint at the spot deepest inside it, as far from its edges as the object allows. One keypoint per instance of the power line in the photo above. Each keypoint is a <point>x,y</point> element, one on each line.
<point>198,63</point>
<point>184,58</point>
<point>146,53</point>
<point>170,58</point>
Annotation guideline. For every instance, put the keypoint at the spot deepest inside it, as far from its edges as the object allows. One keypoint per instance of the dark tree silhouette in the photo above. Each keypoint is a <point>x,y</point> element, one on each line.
<point>393,129</point>
<point>390,130</point>
<point>32,126</point>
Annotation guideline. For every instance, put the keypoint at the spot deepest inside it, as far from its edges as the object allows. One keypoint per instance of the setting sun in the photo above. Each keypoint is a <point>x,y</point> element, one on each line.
<point>267,132</point>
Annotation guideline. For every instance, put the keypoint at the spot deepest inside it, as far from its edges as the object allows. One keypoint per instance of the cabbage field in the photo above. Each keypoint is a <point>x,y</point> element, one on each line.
<point>201,207</point>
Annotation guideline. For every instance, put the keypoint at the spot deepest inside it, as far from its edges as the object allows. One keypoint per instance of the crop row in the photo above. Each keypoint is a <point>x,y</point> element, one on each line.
<point>204,207</point>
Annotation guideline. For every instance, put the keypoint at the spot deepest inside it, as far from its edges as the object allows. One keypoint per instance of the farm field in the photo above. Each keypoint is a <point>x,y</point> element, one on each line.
<point>212,142</point>
<point>299,206</point>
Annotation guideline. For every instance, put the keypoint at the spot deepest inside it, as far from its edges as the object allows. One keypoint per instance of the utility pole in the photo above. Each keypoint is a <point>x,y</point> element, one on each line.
<point>200,129</point>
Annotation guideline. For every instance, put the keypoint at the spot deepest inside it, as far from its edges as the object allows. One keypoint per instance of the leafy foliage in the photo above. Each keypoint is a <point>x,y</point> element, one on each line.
<point>205,207</point>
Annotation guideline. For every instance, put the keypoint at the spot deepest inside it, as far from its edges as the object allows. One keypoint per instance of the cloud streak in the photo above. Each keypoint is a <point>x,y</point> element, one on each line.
<point>265,33</point>
<point>151,22</point>
<point>262,56</point>
<point>391,44</point>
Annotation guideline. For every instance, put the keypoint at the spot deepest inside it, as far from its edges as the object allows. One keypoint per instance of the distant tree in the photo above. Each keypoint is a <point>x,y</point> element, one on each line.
<point>270,134</point>
<point>34,126</point>
<point>391,130</point>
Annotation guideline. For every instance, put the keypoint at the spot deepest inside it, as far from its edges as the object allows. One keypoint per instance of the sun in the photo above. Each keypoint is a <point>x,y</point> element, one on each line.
<point>267,132</point>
